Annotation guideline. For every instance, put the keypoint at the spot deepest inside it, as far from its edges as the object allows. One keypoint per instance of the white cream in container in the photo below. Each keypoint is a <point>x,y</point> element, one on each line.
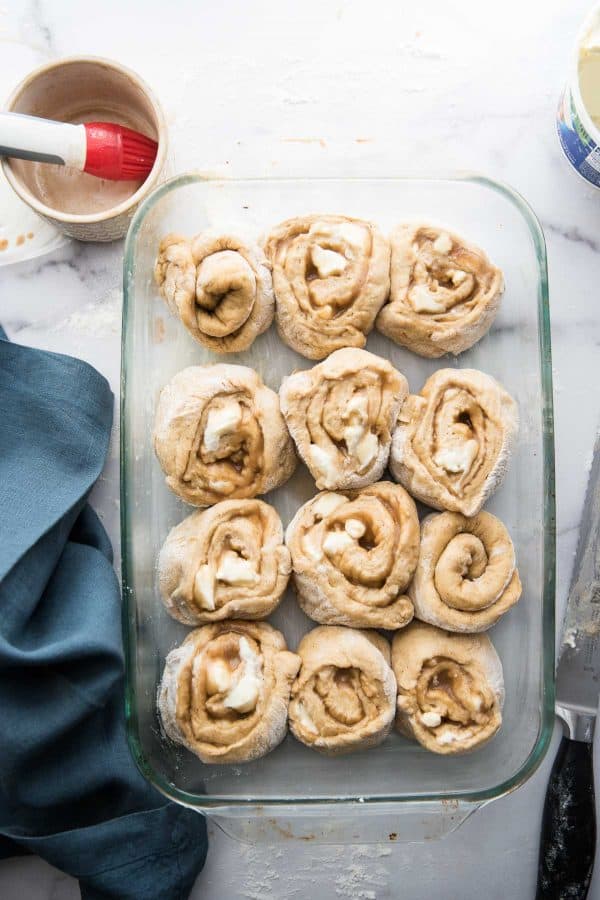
<point>578,115</point>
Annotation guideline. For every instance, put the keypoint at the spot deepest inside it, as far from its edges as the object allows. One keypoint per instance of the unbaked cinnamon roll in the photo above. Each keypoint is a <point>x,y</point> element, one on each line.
<point>466,577</point>
<point>341,414</point>
<point>344,697</point>
<point>219,434</point>
<point>444,292</point>
<point>353,555</point>
<point>453,441</point>
<point>225,562</point>
<point>450,688</point>
<point>175,272</point>
<point>331,276</point>
<point>225,691</point>
<point>219,286</point>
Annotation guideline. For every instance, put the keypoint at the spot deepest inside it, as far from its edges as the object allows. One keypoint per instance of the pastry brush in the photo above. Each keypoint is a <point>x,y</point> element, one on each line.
<point>102,149</point>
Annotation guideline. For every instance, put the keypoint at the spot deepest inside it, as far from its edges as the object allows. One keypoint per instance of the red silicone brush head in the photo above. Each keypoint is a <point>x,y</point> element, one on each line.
<point>118,153</point>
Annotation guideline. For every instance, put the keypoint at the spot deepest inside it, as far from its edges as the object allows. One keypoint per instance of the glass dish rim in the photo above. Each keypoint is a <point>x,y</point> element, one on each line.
<point>529,766</point>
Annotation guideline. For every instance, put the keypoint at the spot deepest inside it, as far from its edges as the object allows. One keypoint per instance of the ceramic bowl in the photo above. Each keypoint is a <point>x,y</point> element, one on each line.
<point>85,89</point>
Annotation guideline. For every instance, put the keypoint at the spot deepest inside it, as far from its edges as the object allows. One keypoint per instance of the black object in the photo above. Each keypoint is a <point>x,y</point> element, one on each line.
<point>568,842</point>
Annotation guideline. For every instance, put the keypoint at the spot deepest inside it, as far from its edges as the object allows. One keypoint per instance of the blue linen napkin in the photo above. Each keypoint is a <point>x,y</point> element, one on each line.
<point>69,790</point>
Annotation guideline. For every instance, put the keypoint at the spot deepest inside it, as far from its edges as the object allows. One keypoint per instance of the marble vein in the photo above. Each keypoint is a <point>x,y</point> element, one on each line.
<point>572,234</point>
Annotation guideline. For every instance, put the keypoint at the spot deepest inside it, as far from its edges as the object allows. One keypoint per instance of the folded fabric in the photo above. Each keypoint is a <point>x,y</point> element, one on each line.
<point>69,790</point>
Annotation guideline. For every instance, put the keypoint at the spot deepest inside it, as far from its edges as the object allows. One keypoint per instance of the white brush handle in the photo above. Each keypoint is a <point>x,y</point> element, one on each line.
<point>28,137</point>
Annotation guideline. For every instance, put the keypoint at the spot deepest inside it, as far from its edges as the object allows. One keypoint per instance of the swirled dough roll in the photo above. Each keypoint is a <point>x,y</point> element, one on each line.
<point>466,577</point>
<point>344,697</point>
<point>219,434</point>
<point>353,555</point>
<point>175,272</point>
<point>444,292</point>
<point>219,286</point>
<point>225,562</point>
<point>453,441</point>
<point>450,688</point>
<point>225,691</point>
<point>331,276</point>
<point>341,414</point>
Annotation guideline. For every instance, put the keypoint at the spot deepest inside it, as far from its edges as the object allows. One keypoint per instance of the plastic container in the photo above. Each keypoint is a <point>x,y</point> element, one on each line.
<point>396,791</point>
<point>578,114</point>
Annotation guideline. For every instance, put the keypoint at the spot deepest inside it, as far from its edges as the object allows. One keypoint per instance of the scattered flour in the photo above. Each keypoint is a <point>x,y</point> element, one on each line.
<point>358,872</point>
<point>96,319</point>
<point>259,873</point>
<point>363,878</point>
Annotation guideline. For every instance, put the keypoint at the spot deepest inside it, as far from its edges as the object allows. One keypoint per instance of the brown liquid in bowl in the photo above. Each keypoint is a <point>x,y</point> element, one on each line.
<point>81,92</point>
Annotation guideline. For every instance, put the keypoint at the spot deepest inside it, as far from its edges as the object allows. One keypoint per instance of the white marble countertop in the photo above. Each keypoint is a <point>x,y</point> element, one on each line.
<point>328,86</point>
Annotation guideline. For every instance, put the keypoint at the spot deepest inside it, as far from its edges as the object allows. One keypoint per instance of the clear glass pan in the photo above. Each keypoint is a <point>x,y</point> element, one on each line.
<point>294,780</point>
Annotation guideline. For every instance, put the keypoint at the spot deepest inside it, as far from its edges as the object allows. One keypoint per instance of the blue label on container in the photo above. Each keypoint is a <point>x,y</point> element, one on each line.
<point>579,148</point>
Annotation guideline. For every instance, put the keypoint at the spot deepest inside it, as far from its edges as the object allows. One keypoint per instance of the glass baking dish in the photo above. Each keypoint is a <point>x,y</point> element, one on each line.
<point>398,790</point>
